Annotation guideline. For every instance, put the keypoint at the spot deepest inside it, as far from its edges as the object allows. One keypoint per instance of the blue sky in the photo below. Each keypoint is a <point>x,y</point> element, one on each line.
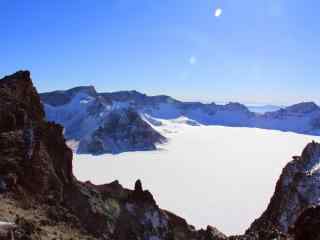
<point>265,51</point>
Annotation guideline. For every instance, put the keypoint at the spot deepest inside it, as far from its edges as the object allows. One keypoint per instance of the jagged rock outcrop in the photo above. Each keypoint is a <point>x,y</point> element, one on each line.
<point>37,183</point>
<point>33,152</point>
<point>298,188</point>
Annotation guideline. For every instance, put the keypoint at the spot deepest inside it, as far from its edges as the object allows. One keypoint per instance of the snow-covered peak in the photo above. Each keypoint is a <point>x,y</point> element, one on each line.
<point>58,98</point>
<point>90,90</point>
<point>304,107</point>
<point>234,106</point>
<point>124,96</point>
<point>96,124</point>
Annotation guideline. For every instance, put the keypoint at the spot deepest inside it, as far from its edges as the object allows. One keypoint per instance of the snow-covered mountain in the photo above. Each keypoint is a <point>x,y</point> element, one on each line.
<point>122,130</point>
<point>95,125</point>
<point>86,113</point>
<point>300,118</point>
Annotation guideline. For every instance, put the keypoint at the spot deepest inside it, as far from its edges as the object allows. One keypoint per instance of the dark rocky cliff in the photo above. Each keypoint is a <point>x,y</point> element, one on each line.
<point>297,189</point>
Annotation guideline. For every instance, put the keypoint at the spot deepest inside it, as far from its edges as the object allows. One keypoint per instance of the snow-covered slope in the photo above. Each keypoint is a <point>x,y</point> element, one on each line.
<point>122,130</point>
<point>95,125</point>
<point>82,111</point>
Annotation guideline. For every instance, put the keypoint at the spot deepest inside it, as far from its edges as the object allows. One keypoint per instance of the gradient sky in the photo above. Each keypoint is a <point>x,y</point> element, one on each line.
<point>257,51</point>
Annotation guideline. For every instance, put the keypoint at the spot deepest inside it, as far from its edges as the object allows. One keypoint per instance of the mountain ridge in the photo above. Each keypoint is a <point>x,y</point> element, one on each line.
<point>134,93</point>
<point>82,111</point>
<point>136,96</point>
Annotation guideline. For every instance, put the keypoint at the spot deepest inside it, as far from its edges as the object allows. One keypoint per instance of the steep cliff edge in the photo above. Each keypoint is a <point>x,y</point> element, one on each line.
<point>297,189</point>
<point>32,151</point>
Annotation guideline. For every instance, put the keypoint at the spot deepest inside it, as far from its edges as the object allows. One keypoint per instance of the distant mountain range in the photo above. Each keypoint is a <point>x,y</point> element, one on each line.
<point>124,121</point>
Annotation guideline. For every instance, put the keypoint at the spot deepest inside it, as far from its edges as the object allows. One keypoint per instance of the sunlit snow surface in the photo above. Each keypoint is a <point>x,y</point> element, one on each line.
<point>214,175</point>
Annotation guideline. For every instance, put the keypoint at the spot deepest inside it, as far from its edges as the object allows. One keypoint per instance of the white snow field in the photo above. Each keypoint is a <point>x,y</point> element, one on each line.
<point>209,175</point>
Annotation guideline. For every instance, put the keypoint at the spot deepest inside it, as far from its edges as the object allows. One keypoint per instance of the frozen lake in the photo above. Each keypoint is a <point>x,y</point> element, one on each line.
<point>209,175</point>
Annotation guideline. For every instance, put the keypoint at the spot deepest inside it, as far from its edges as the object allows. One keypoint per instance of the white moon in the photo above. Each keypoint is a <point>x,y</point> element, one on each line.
<point>218,12</point>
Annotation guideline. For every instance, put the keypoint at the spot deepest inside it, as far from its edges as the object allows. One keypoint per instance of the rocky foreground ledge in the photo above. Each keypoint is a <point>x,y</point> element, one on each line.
<point>41,199</point>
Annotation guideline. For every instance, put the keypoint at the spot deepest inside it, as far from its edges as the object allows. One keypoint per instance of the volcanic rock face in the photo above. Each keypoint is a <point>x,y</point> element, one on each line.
<point>298,188</point>
<point>28,144</point>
